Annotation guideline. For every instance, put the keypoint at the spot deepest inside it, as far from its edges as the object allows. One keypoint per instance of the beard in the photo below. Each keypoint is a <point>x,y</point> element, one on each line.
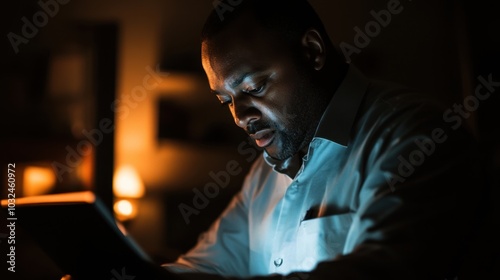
<point>297,134</point>
<point>288,139</point>
<point>295,127</point>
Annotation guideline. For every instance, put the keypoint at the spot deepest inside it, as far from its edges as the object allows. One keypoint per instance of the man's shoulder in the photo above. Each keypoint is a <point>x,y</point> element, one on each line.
<point>396,95</point>
<point>391,110</point>
<point>391,99</point>
<point>396,103</point>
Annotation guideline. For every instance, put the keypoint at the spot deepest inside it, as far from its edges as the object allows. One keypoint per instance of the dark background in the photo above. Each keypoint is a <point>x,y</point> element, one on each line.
<point>176,134</point>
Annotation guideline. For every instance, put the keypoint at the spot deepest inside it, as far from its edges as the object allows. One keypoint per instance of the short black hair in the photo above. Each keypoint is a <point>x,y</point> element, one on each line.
<point>287,18</point>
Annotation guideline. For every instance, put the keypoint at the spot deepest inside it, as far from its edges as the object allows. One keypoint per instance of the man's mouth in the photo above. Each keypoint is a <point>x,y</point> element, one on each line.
<point>263,138</point>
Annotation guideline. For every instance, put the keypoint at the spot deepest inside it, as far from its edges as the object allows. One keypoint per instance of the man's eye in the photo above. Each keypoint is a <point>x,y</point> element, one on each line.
<point>254,90</point>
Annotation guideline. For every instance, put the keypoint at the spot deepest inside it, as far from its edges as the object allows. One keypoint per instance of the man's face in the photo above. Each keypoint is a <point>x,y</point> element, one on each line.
<point>267,93</point>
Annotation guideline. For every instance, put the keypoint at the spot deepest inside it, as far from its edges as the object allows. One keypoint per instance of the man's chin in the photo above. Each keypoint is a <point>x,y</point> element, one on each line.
<point>276,149</point>
<point>273,152</point>
<point>276,153</point>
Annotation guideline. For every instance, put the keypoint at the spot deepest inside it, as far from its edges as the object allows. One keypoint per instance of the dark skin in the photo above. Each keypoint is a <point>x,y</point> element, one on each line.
<point>275,94</point>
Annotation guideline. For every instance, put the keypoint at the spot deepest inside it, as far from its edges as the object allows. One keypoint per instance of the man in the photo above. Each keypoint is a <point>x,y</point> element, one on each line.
<point>358,179</point>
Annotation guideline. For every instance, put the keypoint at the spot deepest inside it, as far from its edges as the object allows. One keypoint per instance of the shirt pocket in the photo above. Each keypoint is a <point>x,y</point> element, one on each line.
<point>321,239</point>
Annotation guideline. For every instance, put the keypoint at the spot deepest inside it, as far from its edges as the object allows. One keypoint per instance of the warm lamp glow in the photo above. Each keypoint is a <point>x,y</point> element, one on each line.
<point>127,183</point>
<point>125,210</point>
<point>38,180</point>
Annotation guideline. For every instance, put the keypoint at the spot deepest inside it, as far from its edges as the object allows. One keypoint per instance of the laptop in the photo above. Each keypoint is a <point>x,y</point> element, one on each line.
<point>82,237</point>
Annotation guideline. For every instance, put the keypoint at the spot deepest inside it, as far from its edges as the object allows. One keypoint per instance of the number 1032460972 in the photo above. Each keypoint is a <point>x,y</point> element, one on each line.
<point>11,188</point>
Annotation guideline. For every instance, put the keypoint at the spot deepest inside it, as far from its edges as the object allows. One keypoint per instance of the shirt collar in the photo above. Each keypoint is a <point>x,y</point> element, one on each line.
<point>338,119</point>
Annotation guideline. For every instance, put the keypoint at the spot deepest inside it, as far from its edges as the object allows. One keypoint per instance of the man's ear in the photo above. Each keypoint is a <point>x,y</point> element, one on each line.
<point>314,48</point>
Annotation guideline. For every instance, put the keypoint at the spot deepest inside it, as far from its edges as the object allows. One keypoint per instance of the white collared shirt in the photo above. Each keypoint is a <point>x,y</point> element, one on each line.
<point>360,170</point>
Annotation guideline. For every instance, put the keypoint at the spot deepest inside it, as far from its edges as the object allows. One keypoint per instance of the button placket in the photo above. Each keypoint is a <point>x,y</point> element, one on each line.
<point>280,246</point>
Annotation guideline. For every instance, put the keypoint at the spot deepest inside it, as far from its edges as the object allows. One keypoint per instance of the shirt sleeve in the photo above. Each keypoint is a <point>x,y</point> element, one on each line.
<point>224,248</point>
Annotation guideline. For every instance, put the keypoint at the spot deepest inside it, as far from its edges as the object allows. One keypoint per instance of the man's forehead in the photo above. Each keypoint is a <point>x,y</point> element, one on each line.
<point>243,47</point>
<point>231,76</point>
<point>232,65</point>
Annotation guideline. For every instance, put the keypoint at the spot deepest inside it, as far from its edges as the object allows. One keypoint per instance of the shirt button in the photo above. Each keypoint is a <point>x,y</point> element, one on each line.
<point>278,262</point>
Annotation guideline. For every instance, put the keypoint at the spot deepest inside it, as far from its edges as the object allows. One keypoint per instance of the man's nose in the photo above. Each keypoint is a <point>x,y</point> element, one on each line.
<point>244,112</point>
